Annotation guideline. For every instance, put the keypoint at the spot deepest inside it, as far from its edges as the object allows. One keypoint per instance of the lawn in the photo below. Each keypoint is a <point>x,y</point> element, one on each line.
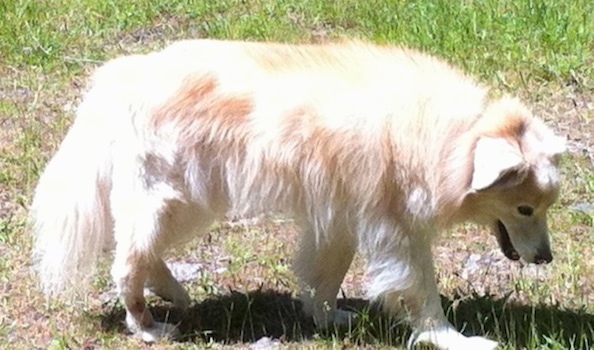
<point>238,275</point>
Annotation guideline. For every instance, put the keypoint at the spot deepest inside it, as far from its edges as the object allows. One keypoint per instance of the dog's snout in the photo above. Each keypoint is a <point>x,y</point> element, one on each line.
<point>543,257</point>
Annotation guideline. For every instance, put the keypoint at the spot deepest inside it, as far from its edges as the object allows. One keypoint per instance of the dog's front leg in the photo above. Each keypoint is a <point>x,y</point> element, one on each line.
<point>429,323</point>
<point>405,282</point>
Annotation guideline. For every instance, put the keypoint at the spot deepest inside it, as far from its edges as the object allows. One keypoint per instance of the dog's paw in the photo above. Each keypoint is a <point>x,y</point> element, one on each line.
<point>159,331</point>
<point>449,339</point>
<point>481,343</point>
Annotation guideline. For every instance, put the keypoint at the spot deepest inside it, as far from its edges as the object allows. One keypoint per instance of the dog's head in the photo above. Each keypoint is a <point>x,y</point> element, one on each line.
<point>515,179</point>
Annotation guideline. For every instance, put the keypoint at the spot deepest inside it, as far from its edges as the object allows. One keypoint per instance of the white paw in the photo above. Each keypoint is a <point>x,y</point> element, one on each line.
<point>159,331</point>
<point>447,338</point>
<point>481,343</point>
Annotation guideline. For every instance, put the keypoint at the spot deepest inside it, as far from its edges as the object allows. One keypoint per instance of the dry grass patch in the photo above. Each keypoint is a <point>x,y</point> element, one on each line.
<point>239,273</point>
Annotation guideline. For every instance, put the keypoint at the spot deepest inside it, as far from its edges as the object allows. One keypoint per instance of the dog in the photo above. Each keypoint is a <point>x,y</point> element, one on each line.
<point>371,149</point>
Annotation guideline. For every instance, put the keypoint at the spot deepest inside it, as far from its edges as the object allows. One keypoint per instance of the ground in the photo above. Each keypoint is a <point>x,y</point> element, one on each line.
<point>239,277</point>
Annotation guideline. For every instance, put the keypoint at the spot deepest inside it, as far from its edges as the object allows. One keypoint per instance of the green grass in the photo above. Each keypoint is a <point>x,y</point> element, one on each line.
<point>547,39</point>
<point>540,50</point>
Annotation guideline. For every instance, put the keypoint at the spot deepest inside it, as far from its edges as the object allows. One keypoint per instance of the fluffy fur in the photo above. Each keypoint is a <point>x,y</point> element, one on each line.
<point>371,149</point>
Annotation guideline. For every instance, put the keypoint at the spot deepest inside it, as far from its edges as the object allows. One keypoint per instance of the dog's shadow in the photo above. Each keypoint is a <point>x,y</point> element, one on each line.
<point>246,318</point>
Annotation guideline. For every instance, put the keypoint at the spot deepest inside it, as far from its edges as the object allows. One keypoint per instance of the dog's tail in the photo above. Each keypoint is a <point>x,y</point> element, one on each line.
<point>70,212</point>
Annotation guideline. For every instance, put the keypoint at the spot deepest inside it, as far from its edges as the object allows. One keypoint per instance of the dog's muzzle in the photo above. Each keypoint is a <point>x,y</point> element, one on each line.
<point>542,256</point>
<point>505,243</point>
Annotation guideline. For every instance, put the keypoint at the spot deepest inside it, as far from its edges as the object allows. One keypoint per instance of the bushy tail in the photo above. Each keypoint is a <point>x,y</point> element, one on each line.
<point>70,209</point>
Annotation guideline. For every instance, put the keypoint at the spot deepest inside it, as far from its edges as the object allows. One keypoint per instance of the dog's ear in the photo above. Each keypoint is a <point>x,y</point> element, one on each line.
<point>555,145</point>
<point>552,145</point>
<point>497,163</point>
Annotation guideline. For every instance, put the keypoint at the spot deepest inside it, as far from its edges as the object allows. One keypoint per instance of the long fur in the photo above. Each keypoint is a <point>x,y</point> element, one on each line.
<point>71,208</point>
<point>307,161</point>
<point>369,148</point>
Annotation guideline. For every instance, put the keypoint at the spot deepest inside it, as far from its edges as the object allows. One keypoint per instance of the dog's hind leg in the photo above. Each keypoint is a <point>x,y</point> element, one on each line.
<point>143,229</point>
<point>130,271</point>
<point>182,219</point>
<point>162,283</point>
<point>321,265</point>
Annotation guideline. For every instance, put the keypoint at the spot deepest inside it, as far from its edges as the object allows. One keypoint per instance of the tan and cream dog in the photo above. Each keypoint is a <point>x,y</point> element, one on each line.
<point>372,149</point>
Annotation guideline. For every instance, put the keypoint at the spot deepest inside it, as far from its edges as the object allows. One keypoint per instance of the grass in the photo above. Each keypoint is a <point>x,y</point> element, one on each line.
<point>541,50</point>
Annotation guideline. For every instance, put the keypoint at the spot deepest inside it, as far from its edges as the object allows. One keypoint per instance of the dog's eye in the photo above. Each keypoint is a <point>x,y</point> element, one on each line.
<point>525,210</point>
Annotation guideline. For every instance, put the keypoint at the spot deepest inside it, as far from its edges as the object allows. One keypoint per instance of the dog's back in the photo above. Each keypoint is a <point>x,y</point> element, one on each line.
<point>278,110</point>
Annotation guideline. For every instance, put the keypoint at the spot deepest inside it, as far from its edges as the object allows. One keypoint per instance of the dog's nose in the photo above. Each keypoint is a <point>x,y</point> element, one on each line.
<point>543,257</point>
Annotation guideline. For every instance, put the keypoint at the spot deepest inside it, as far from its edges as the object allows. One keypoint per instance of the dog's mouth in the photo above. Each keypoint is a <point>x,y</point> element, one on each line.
<point>505,242</point>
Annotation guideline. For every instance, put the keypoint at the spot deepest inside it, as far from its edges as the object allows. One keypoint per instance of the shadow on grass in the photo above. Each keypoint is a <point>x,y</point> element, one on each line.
<point>522,326</point>
<point>245,318</point>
